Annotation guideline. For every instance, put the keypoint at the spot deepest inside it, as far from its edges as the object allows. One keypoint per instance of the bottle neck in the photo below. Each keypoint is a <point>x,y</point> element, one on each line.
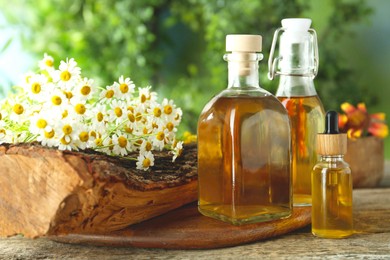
<point>332,158</point>
<point>243,70</point>
<point>290,85</point>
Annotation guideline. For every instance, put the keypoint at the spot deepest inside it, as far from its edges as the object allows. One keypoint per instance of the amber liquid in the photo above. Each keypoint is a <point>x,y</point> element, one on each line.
<point>332,203</point>
<point>307,119</point>
<point>244,160</point>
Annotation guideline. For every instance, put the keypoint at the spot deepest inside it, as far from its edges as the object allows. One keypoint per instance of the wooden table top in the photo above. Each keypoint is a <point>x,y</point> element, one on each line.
<point>371,241</point>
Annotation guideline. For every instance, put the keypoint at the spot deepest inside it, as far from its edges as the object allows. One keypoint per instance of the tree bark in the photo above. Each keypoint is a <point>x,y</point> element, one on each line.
<point>47,191</point>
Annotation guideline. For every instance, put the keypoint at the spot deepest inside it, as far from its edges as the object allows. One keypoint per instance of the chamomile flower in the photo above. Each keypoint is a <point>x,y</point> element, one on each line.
<point>35,86</point>
<point>177,150</point>
<point>67,74</point>
<point>4,137</point>
<point>146,146</point>
<point>40,123</point>
<point>85,89</point>
<point>169,109</point>
<point>160,138</point>
<point>145,96</point>
<point>19,110</point>
<point>108,95</point>
<point>58,108</point>
<point>117,112</point>
<point>47,63</point>
<point>107,145</point>
<point>145,160</point>
<point>55,98</point>
<point>126,88</point>
<point>67,133</point>
<point>47,137</point>
<point>77,108</point>
<point>98,116</point>
<point>121,144</point>
<point>82,141</point>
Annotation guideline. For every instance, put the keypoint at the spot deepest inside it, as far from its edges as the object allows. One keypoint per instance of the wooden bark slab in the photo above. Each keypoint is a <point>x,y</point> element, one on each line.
<point>186,228</point>
<point>47,191</point>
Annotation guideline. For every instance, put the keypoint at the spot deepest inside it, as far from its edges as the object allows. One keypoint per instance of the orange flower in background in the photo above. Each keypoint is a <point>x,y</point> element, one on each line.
<point>356,122</point>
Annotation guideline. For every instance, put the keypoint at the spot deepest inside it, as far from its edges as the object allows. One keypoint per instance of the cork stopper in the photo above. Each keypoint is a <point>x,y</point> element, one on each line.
<point>331,142</point>
<point>243,43</point>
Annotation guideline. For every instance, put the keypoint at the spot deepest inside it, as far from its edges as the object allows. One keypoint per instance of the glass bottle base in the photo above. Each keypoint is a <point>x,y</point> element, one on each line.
<point>329,233</point>
<point>263,214</point>
<point>301,200</point>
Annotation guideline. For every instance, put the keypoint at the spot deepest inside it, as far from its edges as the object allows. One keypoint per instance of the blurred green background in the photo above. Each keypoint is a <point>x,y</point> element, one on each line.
<point>177,46</point>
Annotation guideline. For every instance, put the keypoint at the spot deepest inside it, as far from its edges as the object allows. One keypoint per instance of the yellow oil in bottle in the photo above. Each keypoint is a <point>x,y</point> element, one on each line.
<point>307,116</point>
<point>244,159</point>
<point>332,201</point>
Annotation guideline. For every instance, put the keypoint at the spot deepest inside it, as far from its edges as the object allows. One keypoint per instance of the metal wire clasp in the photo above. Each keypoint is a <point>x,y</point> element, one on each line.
<point>273,62</point>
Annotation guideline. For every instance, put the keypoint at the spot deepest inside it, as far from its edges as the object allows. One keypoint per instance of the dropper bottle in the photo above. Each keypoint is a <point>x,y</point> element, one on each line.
<point>332,184</point>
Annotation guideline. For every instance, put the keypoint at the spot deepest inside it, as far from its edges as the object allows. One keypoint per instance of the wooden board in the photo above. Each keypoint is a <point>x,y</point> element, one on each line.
<point>186,228</point>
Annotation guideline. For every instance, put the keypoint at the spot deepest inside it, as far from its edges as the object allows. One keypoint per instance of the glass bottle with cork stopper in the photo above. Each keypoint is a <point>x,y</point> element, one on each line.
<point>332,184</point>
<point>244,145</point>
<point>297,66</point>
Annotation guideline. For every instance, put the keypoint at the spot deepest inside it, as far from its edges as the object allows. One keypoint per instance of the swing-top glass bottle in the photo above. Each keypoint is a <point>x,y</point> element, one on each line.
<point>297,66</point>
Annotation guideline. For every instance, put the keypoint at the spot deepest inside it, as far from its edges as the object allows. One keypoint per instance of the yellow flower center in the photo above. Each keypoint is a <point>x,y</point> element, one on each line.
<point>65,113</point>
<point>68,94</point>
<point>1,116</point>
<point>56,100</point>
<point>50,134</point>
<point>146,163</point>
<point>85,90</point>
<point>83,136</point>
<point>18,109</point>
<point>143,98</point>
<point>67,129</point>
<point>2,131</point>
<point>49,63</point>
<point>138,116</point>
<point>98,141</point>
<point>41,123</point>
<point>145,131</point>
<point>109,93</point>
<point>99,117</point>
<point>170,126</point>
<point>80,109</point>
<point>64,141</point>
<point>131,109</point>
<point>35,88</point>
<point>122,141</point>
<point>118,111</point>
<point>124,88</point>
<point>160,136</point>
<point>157,112</point>
<point>65,75</point>
<point>148,146</point>
<point>131,117</point>
<point>129,130</point>
<point>93,134</point>
<point>168,109</point>
<point>177,116</point>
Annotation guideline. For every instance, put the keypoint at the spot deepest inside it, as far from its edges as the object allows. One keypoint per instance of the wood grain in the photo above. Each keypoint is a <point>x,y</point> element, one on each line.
<point>45,190</point>
<point>186,228</point>
<point>371,213</point>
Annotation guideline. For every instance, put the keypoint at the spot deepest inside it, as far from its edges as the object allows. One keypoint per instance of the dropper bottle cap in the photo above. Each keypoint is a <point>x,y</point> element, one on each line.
<point>331,142</point>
